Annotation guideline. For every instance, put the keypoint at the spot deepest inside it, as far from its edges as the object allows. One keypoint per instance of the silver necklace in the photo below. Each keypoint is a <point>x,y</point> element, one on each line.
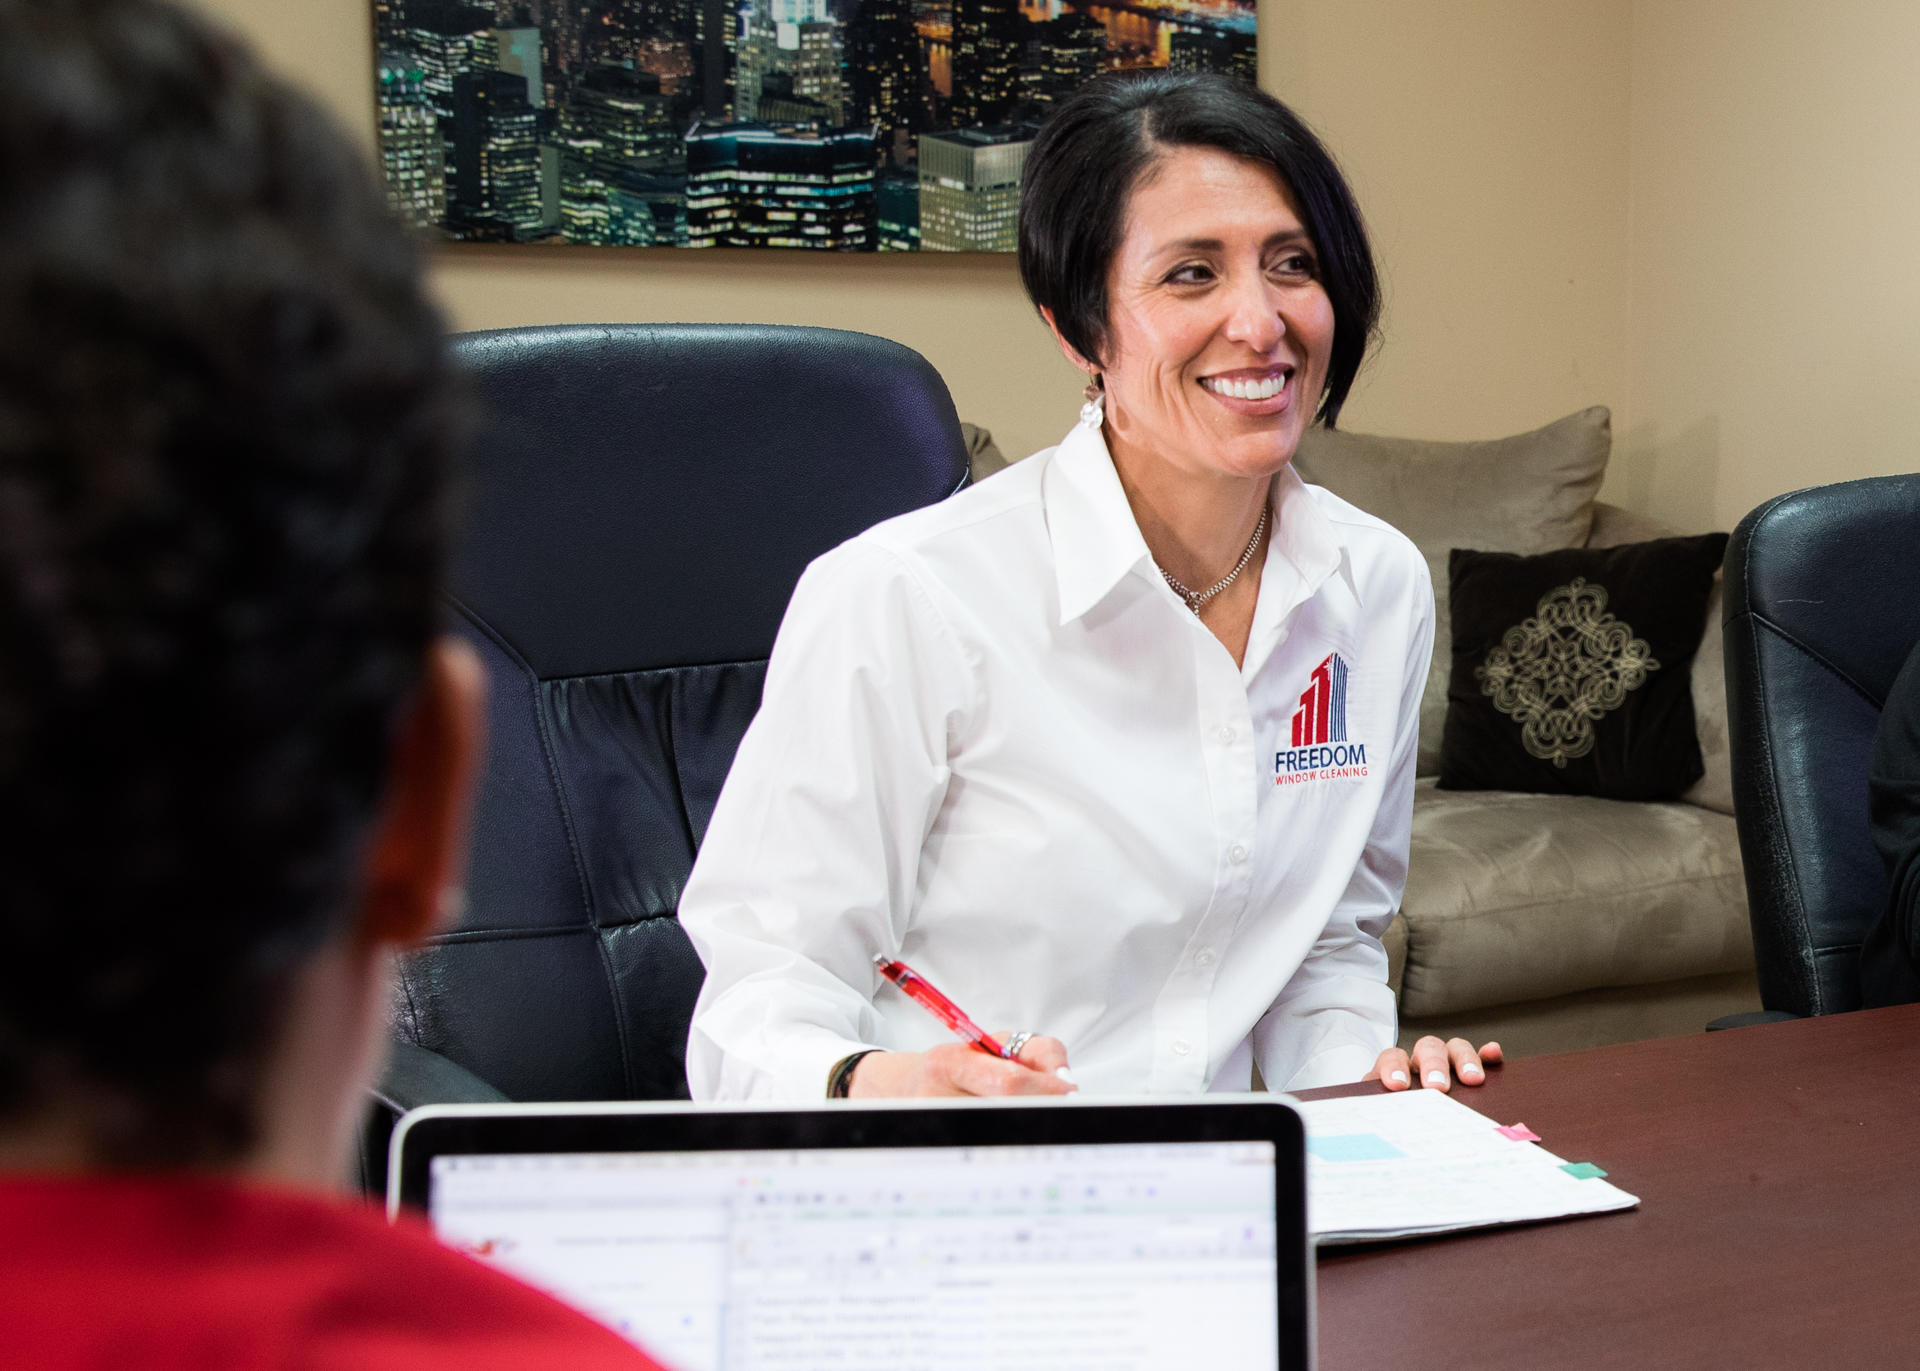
<point>1196,598</point>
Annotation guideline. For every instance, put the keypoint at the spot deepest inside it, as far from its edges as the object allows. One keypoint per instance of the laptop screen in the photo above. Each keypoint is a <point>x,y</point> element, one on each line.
<point>993,1237</point>
<point>1055,1255</point>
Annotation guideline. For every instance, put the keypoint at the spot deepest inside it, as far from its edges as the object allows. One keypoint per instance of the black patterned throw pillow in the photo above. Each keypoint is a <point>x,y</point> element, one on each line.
<point>1570,669</point>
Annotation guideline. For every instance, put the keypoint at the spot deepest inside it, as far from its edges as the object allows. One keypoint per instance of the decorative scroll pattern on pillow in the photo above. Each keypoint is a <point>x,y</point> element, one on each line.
<point>1562,670</point>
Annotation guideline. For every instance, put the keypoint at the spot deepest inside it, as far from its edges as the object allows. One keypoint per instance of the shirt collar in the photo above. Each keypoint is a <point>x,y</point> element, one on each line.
<point>1096,541</point>
<point>1306,537</point>
<point>1305,552</point>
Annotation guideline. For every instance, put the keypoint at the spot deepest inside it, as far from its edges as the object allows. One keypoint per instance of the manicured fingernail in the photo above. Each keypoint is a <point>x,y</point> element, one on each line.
<point>1065,1075</point>
<point>1399,1076</point>
<point>1469,1070</point>
<point>1436,1078</point>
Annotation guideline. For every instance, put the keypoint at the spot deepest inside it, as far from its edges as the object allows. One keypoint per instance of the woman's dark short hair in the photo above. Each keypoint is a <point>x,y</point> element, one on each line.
<point>226,411</point>
<point>1091,153</point>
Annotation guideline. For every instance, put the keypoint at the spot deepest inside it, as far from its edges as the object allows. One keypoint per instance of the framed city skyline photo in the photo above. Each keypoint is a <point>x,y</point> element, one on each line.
<point>831,125</point>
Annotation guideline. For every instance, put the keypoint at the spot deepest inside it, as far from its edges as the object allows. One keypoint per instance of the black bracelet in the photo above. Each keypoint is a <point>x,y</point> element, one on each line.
<point>841,1077</point>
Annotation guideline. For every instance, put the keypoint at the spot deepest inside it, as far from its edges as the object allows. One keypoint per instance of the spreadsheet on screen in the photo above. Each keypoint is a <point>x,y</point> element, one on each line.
<point>1007,1257</point>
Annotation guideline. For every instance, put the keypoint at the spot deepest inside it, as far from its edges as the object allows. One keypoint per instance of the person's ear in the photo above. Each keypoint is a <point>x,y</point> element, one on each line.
<point>418,856</point>
<point>1068,350</point>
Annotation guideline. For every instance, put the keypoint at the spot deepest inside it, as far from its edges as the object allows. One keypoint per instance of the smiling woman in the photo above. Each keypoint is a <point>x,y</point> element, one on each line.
<point>1217,325</point>
<point>1065,742</point>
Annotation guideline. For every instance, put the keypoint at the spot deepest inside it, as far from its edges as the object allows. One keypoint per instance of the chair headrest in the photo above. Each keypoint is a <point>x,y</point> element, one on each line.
<point>647,495</point>
<point>1834,568</point>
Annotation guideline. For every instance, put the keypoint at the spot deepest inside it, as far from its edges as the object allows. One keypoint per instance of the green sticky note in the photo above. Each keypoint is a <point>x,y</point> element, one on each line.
<point>1583,1171</point>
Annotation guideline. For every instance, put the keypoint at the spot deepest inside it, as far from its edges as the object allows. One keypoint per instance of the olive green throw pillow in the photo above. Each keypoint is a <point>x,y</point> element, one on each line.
<point>1571,670</point>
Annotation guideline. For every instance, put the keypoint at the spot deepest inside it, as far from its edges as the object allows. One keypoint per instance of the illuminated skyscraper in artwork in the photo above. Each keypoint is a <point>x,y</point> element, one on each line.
<point>883,76</point>
<point>496,157</point>
<point>413,156</point>
<point>987,36</point>
<point>1214,49</point>
<point>970,188</point>
<point>444,39</point>
<point>816,63</point>
<point>805,49</point>
<point>617,126</point>
<point>1074,49</point>
<point>752,57</point>
<point>775,185</point>
<point>564,27</point>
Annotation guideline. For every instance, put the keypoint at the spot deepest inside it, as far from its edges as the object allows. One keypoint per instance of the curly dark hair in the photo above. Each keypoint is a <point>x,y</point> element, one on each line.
<point>1094,148</point>
<point>226,412</point>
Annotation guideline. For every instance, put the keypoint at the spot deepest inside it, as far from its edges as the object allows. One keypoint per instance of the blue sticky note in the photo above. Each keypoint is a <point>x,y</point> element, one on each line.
<point>1584,1171</point>
<point>1353,1147</point>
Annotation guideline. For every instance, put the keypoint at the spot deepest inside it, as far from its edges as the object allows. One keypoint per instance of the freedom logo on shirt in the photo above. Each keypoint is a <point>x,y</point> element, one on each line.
<point>1321,750</point>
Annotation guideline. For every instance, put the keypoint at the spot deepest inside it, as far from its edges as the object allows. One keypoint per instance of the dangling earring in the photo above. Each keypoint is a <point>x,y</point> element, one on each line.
<point>1093,411</point>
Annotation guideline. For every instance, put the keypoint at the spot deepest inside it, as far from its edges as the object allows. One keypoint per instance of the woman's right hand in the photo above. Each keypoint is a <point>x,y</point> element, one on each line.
<point>957,1069</point>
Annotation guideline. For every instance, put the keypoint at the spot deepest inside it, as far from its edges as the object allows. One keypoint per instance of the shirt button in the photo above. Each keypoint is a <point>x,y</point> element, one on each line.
<point>1226,733</point>
<point>1204,957</point>
<point>1181,1047</point>
<point>1237,853</point>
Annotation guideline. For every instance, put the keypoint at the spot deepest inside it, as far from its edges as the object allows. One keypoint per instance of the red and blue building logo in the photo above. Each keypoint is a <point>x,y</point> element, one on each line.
<point>1320,747</point>
<point>1322,716</point>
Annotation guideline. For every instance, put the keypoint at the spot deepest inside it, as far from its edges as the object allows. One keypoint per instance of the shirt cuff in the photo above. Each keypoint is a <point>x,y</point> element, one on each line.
<point>1335,1066</point>
<point>805,1067</point>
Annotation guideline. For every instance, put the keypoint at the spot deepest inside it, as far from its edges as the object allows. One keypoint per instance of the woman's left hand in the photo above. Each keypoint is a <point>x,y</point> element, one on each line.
<point>1434,1064</point>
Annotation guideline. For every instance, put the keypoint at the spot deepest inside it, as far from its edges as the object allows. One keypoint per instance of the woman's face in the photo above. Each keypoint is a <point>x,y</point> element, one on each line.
<point>1218,329</point>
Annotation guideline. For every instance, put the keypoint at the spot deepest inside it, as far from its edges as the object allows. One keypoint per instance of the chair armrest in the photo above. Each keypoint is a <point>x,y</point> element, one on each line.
<point>1750,1019</point>
<point>416,1075</point>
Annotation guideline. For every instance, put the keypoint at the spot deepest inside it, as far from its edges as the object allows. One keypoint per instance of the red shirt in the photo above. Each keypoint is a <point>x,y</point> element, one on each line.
<point>168,1272</point>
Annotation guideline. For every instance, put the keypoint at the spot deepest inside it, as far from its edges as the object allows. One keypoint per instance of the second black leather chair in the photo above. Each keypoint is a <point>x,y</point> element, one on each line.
<point>634,519</point>
<point>1822,607</point>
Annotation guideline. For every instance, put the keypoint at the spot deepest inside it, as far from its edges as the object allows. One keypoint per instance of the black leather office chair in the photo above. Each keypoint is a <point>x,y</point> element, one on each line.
<point>632,524</point>
<point>1822,607</point>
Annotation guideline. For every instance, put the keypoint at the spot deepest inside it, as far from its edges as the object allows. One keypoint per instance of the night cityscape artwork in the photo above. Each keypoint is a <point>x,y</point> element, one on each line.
<point>833,125</point>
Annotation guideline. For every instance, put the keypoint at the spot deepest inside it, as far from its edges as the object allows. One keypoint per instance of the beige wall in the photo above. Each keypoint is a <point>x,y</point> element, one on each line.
<point>1774,304</point>
<point>1487,141</point>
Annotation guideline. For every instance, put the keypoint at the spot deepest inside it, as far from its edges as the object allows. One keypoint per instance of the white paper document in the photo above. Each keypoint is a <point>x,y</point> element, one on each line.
<point>1418,1161</point>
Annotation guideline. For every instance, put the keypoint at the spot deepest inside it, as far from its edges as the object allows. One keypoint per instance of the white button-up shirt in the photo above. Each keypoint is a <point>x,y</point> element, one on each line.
<point>995,745</point>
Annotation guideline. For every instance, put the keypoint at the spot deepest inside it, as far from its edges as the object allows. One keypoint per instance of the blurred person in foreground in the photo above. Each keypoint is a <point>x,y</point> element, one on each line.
<point>234,757</point>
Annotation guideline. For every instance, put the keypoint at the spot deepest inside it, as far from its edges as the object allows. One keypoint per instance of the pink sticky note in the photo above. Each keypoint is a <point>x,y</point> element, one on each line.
<point>1519,1132</point>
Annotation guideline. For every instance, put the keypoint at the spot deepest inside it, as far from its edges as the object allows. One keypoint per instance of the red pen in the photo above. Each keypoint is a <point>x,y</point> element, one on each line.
<point>920,990</point>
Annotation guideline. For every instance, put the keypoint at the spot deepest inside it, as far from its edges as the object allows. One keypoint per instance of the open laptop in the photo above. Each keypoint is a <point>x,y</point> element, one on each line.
<point>1027,1236</point>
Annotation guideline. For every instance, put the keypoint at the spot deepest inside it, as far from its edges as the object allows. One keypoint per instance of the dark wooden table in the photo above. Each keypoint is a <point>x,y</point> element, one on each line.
<point>1778,1170</point>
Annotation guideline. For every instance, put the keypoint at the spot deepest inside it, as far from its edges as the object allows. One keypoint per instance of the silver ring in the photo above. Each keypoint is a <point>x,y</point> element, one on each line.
<point>1015,1043</point>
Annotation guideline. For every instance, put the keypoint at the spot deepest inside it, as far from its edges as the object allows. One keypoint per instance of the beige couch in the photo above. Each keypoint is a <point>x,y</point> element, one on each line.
<point>1549,922</point>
